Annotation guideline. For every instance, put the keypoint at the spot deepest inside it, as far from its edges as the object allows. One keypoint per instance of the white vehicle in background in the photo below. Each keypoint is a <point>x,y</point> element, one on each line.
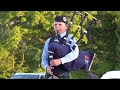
<point>28,76</point>
<point>111,75</point>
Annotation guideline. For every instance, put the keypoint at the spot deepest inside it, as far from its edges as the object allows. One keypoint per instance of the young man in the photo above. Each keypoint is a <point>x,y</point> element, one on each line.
<point>61,26</point>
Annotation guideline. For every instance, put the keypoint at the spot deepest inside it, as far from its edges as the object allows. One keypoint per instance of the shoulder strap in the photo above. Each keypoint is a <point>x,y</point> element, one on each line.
<point>51,40</point>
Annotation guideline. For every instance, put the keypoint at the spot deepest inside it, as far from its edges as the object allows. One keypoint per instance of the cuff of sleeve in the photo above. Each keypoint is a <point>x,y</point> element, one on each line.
<point>62,60</point>
<point>46,67</point>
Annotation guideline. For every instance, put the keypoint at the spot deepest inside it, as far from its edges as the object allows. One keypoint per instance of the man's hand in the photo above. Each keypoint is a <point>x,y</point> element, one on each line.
<point>49,70</point>
<point>55,62</point>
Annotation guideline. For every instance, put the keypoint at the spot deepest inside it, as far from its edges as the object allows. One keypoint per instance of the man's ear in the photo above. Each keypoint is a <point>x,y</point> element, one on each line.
<point>67,25</point>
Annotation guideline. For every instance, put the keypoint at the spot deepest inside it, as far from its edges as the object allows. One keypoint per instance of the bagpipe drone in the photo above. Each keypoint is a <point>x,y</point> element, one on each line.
<point>60,48</point>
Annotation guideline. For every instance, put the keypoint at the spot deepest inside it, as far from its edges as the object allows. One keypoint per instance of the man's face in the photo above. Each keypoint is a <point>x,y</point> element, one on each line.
<point>60,27</point>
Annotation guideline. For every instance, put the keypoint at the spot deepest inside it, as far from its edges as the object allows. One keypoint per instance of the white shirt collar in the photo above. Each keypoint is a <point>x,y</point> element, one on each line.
<point>63,34</point>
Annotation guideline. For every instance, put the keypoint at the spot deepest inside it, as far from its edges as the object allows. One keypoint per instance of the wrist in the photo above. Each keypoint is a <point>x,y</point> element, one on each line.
<point>60,61</point>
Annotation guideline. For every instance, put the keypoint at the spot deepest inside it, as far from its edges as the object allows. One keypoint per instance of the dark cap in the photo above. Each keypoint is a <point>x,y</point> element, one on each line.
<point>61,19</point>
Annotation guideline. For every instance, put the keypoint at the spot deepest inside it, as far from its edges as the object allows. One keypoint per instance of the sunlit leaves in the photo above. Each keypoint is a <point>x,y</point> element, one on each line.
<point>15,36</point>
<point>3,53</point>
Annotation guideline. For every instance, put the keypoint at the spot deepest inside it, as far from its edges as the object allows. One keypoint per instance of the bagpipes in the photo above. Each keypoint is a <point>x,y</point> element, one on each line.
<point>59,49</point>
